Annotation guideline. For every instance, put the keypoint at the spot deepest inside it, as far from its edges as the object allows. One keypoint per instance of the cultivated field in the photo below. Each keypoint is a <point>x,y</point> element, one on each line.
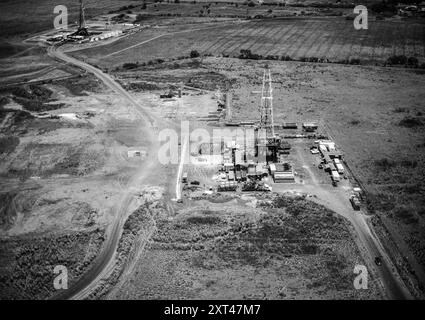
<point>331,38</point>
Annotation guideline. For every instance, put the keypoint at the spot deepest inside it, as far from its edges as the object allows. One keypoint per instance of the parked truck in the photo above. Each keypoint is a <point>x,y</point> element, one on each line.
<point>335,176</point>
<point>355,202</point>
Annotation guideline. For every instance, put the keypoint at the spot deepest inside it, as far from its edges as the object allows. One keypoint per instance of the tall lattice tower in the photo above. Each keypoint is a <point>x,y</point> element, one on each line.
<point>266,108</point>
<point>82,29</point>
<point>82,22</point>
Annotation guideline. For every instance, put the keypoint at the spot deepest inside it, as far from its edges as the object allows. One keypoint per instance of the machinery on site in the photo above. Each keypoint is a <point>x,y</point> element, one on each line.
<point>82,29</point>
<point>269,146</point>
<point>255,186</point>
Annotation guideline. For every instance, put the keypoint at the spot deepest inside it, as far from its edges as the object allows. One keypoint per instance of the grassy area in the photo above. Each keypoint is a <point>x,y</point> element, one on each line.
<point>285,247</point>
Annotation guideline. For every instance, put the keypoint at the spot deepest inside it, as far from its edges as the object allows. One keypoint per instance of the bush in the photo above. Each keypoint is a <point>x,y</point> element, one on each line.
<point>354,61</point>
<point>410,122</point>
<point>405,214</point>
<point>397,60</point>
<point>194,54</point>
<point>400,110</point>
<point>247,54</point>
<point>412,61</point>
<point>130,65</point>
<point>385,163</point>
<point>139,18</point>
<point>384,7</point>
<point>285,58</point>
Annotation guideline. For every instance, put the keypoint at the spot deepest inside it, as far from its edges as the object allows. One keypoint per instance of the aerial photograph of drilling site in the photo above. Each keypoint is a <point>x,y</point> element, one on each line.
<point>212,150</point>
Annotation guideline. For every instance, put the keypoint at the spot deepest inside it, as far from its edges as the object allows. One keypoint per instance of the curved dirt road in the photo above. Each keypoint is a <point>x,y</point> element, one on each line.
<point>104,263</point>
<point>336,199</point>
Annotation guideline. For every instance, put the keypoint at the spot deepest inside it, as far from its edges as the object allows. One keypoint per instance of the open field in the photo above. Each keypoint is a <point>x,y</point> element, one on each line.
<point>329,38</point>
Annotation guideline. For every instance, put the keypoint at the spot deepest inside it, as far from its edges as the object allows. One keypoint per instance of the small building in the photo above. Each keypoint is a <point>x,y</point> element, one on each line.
<point>289,125</point>
<point>284,177</point>
<point>310,126</point>
<point>335,176</point>
<point>228,166</point>
<point>283,172</point>
<point>184,177</point>
<point>136,153</point>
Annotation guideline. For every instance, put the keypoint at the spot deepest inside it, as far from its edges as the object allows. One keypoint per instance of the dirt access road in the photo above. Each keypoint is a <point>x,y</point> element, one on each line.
<point>336,199</point>
<point>104,263</point>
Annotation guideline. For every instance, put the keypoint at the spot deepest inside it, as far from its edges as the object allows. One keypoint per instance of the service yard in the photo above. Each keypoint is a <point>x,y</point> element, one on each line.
<point>85,183</point>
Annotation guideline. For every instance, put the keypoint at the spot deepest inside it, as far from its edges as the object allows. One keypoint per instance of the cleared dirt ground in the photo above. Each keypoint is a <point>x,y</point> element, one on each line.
<point>60,177</point>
